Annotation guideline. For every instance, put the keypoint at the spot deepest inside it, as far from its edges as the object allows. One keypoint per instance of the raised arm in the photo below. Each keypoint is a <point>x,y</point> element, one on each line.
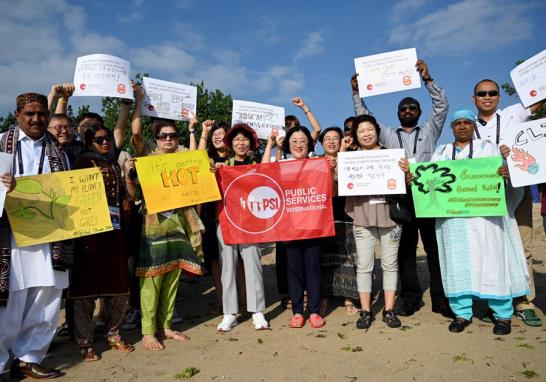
<point>191,130</point>
<point>440,106</point>
<point>272,139</point>
<point>315,126</point>
<point>205,131</point>
<point>137,138</point>
<point>57,99</point>
<point>121,125</point>
<point>358,103</point>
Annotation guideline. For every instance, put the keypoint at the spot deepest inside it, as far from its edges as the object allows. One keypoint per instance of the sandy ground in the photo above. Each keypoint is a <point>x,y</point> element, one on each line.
<point>422,350</point>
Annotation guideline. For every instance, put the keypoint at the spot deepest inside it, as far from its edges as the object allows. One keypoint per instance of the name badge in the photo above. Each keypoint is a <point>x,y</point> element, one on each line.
<point>115,217</point>
<point>377,199</point>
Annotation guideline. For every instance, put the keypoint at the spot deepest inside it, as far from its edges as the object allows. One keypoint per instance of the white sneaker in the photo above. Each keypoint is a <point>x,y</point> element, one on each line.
<point>228,322</point>
<point>260,323</point>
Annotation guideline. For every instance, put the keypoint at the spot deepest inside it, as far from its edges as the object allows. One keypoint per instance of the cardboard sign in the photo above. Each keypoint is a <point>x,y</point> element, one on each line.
<point>281,201</point>
<point>168,100</point>
<point>370,172</point>
<point>261,117</point>
<point>527,159</point>
<point>458,188</point>
<point>529,79</point>
<point>103,75</point>
<point>58,206</point>
<point>176,180</point>
<point>387,72</point>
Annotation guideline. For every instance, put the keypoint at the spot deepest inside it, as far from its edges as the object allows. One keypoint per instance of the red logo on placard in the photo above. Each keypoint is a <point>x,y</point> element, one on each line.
<point>83,86</point>
<point>350,186</point>
<point>391,184</point>
<point>257,209</point>
<point>369,86</point>
<point>406,80</point>
<point>185,113</point>
<point>121,89</point>
<point>533,93</point>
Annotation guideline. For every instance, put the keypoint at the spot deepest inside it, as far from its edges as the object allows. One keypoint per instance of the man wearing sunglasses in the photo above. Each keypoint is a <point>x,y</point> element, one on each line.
<point>490,124</point>
<point>418,141</point>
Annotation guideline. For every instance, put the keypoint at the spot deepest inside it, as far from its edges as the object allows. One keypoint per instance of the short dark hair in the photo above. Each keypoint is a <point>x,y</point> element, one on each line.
<point>158,126</point>
<point>347,120</point>
<point>291,119</point>
<point>361,119</point>
<point>485,80</point>
<point>90,134</point>
<point>295,129</point>
<point>92,115</point>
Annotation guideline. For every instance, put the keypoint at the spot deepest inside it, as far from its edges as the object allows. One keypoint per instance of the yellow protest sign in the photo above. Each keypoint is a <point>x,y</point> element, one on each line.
<point>175,180</point>
<point>58,206</point>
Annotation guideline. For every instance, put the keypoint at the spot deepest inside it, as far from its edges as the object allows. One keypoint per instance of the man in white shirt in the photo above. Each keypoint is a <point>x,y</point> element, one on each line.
<point>32,277</point>
<point>490,124</point>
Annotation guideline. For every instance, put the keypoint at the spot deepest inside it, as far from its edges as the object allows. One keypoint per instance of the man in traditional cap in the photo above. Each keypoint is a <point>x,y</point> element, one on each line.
<point>419,142</point>
<point>491,122</point>
<point>33,277</point>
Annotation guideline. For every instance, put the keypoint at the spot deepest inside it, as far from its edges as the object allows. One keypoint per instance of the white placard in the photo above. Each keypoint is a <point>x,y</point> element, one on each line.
<point>6,164</point>
<point>529,78</point>
<point>261,117</point>
<point>168,100</point>
<point>527,159</point>
<point>370,172</point>
<point>387,72</point>
<point>103,75</point>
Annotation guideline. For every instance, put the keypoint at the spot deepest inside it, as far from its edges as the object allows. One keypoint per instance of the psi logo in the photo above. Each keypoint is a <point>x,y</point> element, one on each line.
<point>254,203</point>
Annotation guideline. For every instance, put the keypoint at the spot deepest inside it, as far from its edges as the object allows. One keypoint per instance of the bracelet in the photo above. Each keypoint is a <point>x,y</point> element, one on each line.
<point>306,112</point>
<point>192,131</point>
<point>62,100</point>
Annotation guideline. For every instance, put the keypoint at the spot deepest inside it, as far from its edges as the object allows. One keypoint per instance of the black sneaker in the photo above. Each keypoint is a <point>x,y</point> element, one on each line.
<point>502,327</point>
<point>407,310</point>
<point>389,317</point>
<point>365,320</point>
<point>458,325</point>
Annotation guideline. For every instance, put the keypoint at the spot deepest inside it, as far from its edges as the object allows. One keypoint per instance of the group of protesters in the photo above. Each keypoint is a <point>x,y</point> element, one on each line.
<point>135,269</point>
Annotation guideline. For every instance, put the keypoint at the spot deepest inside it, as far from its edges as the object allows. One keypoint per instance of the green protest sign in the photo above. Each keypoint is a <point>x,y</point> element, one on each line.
<point>458,188</point>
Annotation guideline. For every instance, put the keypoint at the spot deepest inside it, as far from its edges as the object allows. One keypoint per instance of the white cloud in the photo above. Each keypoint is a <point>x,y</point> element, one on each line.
<point>183,4</point>
<point>186,35</point>
<point>134,12</point>
<point>312,45</point>
<point>165,59</point>
<point>466,26</point>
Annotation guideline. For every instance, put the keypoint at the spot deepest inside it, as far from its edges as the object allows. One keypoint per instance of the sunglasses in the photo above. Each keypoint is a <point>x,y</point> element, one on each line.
<point>490,93</point>
<point>164,136</point>
<point>101,140</point>
<point>411,107</point>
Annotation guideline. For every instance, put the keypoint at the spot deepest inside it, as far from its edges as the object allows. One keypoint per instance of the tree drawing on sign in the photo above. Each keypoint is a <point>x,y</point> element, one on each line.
<point>524,161</point>
<point>45,208</point>
<point>431,179</point>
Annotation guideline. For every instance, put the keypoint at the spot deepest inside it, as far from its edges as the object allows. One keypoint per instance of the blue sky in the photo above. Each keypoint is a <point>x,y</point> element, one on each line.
<point>270,51</point>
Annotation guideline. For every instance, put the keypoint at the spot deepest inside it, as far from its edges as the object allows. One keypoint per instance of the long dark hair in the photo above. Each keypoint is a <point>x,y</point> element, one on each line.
<point>211,150</point>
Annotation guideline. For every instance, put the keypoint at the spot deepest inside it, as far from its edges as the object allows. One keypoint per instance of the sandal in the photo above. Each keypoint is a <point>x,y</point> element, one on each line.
<point>62,331</point>
<point>297,322</point>
<point>116,343</point>
<point>350,308</point>
<point>87,353</point>
<point>316,321</point>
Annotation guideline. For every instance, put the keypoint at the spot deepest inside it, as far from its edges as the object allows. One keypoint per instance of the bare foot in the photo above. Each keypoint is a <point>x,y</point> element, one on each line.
<point>150,342</point>
<point>174,335</point>
<point>350,308</point>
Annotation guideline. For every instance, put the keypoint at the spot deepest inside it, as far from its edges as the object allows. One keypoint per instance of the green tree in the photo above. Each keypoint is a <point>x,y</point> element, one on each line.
<point>432,179</point>
<point>7,122</point>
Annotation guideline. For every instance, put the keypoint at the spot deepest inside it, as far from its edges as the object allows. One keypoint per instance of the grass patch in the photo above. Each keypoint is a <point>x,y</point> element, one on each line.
<point>529,373</point>
<point>187,373</point>
<point>460,358</point>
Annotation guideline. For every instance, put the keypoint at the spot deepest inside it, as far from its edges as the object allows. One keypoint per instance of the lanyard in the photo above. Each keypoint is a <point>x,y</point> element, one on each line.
<point>455,151</point>
<point>498,130</point>
<point>20,159</point>
<point>414,142</point>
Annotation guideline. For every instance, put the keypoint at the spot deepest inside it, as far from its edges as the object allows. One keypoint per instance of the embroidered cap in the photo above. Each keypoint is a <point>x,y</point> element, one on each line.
<point>26,98</point>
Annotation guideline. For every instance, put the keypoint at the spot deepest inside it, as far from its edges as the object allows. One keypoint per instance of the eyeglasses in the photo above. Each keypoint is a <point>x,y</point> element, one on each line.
<point>301,142</point>
<point>60,128</point>
<point>101,140</point>
<point>411,107</point>
<point>241,140</point>
<point>165,136</point>
<point>490,93</point>
<point>331,139</point>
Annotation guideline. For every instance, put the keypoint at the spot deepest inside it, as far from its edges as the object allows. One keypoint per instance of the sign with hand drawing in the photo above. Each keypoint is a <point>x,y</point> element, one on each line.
<point>58,206</point>
<point>458,188</point>
<point>527,159</point>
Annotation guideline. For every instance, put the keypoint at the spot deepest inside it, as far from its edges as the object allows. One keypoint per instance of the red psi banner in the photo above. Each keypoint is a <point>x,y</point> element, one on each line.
<point>281,201</point>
